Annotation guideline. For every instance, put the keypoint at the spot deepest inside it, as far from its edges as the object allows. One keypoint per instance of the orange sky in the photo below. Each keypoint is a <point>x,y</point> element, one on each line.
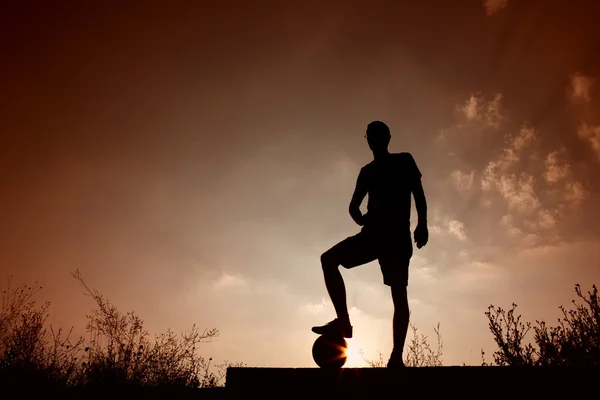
<point>194,161</point>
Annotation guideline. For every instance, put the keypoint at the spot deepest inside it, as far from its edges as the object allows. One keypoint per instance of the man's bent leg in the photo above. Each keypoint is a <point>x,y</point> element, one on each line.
<point>337,291</point>
<point>335,286</point>
<point>350,252</point>
<point>401,319</point>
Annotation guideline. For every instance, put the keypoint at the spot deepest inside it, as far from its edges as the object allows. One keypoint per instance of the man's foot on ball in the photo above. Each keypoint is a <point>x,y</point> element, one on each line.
<point>334,328</point>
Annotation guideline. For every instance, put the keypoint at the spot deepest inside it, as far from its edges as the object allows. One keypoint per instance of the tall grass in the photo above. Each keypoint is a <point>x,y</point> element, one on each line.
<point>120,351</point>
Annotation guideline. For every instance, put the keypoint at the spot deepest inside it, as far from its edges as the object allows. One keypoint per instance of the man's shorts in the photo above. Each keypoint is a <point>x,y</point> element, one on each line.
<point>392,249</point>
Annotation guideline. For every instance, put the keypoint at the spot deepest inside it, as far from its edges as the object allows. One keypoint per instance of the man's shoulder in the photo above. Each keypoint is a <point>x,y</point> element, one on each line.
<point>367,166</point>
<point>406,161</point>
<point>406,158</point>
<point>403,155</point>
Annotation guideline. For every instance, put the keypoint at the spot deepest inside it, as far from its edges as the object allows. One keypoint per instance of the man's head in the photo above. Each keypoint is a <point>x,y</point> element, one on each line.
<point>378,136</point>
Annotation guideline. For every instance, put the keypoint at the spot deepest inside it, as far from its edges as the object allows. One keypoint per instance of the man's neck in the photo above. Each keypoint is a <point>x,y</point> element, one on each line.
<point>379,155</point>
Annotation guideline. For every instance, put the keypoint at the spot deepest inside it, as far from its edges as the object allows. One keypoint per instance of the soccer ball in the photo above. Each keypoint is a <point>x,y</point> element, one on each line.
<point>330,352</point>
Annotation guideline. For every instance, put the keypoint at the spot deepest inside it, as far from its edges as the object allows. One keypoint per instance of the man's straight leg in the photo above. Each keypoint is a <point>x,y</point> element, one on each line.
<point>396,252</point>
<point>400,322</point>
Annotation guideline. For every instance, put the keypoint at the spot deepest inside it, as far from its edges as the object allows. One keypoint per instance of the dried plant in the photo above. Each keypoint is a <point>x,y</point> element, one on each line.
<point>418,351</point>
<point>575,341</point>
<point>120,351</point>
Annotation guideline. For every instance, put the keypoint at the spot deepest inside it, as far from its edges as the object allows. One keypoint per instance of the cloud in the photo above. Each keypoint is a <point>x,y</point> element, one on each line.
<point>544,219</point>
<point>423,271</point>
<point>462,181</point>
<point>574,192</point>
<point>590,134</point>
<point>506,176</point>
<point>556,166</point>
<point>493,6</point>
<point>435,230</point>
<point>476,108</point>
<point>229,281</point>
<point>519,193</point>
<point>457,228</point>
<point>517,190</point>
<point>475,274</point>
<point>533,186</point>
<point>508,222</point>
<point>511,153</point>
<point>316,308</point>
<point>539,228</point>
<point>547,219</point>
<point>579,88</point>
<point>520,236</point>
<point>470,108</point>
<point>499,175</point>
<point>493,112</point>
<point>522,139</point>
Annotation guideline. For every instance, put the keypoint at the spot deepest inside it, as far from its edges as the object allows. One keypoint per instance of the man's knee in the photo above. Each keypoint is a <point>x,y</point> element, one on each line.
<point>329,262</point>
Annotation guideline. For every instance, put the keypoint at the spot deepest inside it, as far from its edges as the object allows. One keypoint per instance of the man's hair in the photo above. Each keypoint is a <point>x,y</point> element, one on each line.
<point>379,131</point>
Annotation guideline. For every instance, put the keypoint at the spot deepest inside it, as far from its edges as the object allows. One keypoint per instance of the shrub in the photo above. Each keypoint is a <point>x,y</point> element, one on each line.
<point>27,345</point>
<point>120,351</point>
<point>575,341</point>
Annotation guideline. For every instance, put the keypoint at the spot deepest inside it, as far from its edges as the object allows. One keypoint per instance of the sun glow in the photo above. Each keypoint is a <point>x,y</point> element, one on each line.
<point>354,359</point>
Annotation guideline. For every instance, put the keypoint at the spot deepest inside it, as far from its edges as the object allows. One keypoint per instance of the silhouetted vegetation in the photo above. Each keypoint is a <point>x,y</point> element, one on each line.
<point>574,342</point>
<point>418,352</point>
<point>119,352</point>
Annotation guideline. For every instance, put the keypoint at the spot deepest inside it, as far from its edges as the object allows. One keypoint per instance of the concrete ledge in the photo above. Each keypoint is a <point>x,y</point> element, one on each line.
<point>427,382</point>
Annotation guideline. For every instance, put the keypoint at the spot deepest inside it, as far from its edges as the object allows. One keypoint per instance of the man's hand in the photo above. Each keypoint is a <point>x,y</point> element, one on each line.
<point>421,235</point>
<point>363,219</point>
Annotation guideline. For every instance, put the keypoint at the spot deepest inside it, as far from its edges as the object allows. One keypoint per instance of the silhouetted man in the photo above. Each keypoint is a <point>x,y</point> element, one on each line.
<point>385,236</point>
